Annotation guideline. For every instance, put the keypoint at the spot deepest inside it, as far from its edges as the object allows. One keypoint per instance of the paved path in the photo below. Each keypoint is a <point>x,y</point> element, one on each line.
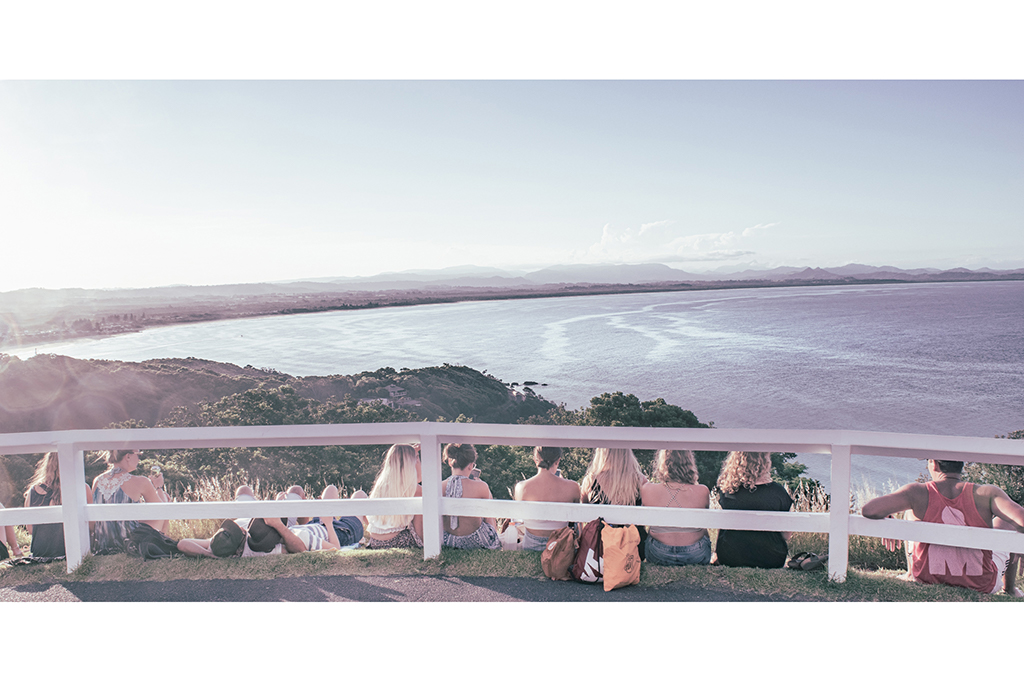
<point>366,589</point>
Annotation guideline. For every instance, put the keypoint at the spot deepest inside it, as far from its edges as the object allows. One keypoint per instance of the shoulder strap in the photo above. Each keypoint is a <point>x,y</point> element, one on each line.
<point>47,498</point>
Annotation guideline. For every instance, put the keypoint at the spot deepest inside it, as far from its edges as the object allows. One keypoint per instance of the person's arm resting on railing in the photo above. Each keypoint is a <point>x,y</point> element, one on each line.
<point>913,497</point>
<point>1003,507</point>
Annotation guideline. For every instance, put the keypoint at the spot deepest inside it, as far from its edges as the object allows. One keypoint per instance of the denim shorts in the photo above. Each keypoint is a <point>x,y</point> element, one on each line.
<point>682,555</point>
<point>533,542</point>
<point>349,529</point>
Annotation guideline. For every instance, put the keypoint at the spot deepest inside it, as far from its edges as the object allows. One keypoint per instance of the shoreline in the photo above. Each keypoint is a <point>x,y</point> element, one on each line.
<point>181,312</point>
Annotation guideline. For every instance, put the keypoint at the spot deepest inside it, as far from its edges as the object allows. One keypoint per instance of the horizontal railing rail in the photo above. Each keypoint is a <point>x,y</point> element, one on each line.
<point>838,523</point>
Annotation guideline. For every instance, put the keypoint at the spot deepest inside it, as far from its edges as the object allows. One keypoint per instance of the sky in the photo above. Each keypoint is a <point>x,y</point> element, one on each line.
<point>139,183</point>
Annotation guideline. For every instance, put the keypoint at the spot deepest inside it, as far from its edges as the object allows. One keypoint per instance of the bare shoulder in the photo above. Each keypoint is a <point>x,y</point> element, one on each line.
<point>518,492</point>
<point>478,489</point>
<point>988,490</point>
<point>649,490</point>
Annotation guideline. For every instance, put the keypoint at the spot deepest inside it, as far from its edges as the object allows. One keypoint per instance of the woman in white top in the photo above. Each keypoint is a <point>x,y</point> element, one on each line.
<point>670,545</point>
<point>400,476</point>
<point>547,486</point>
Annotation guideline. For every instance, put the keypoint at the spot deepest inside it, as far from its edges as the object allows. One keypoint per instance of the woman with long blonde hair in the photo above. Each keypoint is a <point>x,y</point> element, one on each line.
<point>676,471</point>
<point>746,483</point>
<point>614,477</point>
<point>400,476</point>
<point>44,491</point>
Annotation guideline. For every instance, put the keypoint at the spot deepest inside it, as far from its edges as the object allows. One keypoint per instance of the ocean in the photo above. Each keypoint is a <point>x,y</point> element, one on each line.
<point>941,358</point>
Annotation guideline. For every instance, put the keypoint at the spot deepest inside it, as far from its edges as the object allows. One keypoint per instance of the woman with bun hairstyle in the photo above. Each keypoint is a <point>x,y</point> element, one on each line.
<point>614,477</point>
<point>746,483</point>
<point>44,491</point>
<point>466,532</point>
<point>670,545</point>
<point>400,476</point>
<point>117,485</point>
<point>547,486</point>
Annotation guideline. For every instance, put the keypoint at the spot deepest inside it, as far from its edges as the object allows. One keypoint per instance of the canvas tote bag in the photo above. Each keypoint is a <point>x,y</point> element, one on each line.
<point>621,556</point>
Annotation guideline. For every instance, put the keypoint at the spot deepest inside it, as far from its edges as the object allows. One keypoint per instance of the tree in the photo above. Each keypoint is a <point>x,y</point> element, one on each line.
<point>1008,477</point>
<point>351,466</point>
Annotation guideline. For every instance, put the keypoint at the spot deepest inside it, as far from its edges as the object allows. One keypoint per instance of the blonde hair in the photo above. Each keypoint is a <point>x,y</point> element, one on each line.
<point>743,469</point>
<point>678,466</point>
<point>617,473</point>
<point>397,478</point>
<point>47,475</point>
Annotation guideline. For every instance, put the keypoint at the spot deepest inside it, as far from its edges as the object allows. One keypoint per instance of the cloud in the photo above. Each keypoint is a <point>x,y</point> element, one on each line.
<point>750,230</point>
<point>660,242</point>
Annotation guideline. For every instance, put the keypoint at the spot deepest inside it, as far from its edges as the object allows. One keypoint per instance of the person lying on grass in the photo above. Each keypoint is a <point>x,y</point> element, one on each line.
<point>272,535</point>
<point>947,499</point>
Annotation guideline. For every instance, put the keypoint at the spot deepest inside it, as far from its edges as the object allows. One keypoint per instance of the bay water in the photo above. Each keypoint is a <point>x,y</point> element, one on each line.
<point>941,358</point>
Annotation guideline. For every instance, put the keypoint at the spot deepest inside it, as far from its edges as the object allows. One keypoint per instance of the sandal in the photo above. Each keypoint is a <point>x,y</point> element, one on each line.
<point>813,562</point>
<point>795,562</point>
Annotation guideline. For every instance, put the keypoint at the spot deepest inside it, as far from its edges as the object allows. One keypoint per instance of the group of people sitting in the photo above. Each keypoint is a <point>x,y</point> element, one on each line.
<point>614,477</point>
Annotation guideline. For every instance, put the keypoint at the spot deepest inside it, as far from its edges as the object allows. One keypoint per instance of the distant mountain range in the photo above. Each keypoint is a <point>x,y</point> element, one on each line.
<point>472,276</point>
<point>495,278</point>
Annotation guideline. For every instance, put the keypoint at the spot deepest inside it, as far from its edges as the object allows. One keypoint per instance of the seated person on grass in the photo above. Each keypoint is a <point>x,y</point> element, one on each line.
<point>8,533</point>
<point>272,535</point>
<point>466,532</point>
<point>946,499</point>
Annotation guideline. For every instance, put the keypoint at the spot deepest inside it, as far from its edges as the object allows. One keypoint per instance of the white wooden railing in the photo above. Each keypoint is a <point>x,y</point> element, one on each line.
<point>838,523</point>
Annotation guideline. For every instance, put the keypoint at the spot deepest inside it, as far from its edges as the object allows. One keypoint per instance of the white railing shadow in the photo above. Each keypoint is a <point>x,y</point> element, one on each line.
<point>839,523</point>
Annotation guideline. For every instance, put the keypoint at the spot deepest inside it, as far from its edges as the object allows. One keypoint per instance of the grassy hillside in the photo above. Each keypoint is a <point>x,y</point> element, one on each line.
<point>52,392</point>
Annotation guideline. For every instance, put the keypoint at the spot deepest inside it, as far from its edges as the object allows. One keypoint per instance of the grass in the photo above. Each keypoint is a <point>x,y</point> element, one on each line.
<point>874,575</point>
<point>861,585</point>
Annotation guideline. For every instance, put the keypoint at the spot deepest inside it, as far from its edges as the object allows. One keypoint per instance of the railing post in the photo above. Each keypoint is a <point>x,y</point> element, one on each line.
<point>839,514</point>
<point>73,501</point>
<point>430,468</point>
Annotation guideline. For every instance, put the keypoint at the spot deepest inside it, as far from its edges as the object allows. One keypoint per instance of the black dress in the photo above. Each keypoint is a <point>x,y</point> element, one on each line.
<point>47,538</point>
<point>754,548</point>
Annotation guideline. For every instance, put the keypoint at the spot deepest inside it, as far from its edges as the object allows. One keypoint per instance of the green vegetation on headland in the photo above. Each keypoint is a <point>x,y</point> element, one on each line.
<point>50,392</point>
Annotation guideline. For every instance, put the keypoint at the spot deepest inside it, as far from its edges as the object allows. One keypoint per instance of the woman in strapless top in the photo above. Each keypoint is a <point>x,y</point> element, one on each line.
<point>546,486</point>
<point>670,545</point>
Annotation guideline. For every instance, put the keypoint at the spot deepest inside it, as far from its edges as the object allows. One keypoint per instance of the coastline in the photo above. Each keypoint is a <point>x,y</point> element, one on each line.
<point>133,313</point>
